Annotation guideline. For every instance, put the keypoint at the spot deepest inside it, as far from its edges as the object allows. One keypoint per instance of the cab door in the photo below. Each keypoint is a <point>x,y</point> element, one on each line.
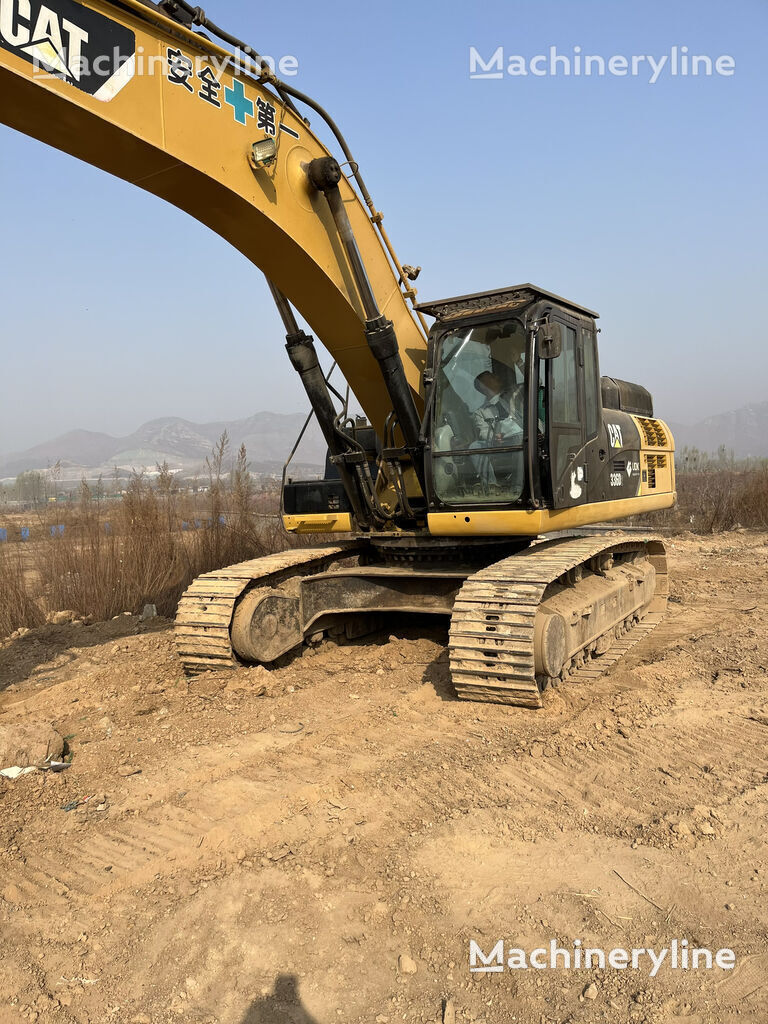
<point>566,418</point>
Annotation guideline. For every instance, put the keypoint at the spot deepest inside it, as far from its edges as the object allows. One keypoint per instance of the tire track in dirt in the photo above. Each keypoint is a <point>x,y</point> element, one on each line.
<point>234,800</point>
<point>598,780</point>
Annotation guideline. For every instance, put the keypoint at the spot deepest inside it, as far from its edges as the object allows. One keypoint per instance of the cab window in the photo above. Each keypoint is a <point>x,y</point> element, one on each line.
<point>479,413</point>
<point>591,384</point>
<point>565,382</point>
<point>564,419</point>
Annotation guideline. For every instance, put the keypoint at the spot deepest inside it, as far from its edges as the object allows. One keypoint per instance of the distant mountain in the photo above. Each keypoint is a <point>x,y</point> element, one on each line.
<point>743,431</point>
<point>267,436</point>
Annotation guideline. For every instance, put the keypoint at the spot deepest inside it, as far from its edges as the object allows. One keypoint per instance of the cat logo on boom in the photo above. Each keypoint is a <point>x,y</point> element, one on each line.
<point>70,42</point>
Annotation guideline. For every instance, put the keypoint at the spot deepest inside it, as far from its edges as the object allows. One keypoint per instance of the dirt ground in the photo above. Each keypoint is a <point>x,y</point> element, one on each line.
<point>320,842</point>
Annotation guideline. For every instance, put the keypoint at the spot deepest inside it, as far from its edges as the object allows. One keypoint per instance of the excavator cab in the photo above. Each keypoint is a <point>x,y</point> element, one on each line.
<point>515,414</point>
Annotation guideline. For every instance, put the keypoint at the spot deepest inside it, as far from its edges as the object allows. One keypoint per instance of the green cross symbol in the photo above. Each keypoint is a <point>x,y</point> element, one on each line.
<point>236,98</point>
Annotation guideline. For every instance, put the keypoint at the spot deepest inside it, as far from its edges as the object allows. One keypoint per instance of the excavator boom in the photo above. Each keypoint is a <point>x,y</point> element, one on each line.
<point>128,89</point>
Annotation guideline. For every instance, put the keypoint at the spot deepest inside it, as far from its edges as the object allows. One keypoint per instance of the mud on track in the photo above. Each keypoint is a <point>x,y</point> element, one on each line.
<point>267,858</point>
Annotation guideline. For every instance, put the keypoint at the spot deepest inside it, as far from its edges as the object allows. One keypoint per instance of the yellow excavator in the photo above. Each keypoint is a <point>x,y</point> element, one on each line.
<point>489,436</point>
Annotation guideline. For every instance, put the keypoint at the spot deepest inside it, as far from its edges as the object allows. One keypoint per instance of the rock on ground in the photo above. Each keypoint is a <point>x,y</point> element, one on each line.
<point>26,743</point>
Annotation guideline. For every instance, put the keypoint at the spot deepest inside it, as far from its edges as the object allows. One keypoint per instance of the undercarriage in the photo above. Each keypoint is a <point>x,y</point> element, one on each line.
<point>523,616</point>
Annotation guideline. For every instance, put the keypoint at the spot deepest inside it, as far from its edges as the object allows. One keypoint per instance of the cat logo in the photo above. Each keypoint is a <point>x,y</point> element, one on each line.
<point>64,40</point>
<point>614,435</point>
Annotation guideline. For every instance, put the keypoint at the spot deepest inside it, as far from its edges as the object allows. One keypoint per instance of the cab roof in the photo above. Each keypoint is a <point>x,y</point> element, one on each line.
<point>503,299</point>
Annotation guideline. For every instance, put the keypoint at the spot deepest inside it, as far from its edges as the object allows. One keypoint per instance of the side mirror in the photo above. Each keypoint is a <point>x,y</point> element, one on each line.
<point>549,340</point>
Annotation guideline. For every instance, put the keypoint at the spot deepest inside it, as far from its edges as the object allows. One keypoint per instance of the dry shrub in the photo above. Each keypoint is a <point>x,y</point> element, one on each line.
<point>146,549</point>
<point>153,549</point>
<point>99,573</point>
<point>19,605</point>
<point>755,498</point>
<point>710,499</point>
<point>716,493</point>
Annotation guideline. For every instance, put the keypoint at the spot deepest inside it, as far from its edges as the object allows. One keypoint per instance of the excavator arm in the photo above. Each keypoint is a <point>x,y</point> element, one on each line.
<point>128,89</point>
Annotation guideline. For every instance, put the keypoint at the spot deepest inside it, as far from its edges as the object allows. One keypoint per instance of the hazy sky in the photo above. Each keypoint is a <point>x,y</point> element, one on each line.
<point>644,202</point>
